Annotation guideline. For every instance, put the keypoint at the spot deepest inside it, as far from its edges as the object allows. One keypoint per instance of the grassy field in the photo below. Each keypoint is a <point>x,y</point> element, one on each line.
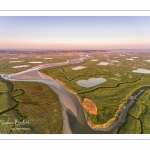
<point>31,102</point>
<point>109,96</point>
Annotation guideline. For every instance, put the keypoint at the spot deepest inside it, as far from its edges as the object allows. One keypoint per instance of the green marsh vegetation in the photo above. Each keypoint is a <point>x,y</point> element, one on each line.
<point>32,102</point>
<point>109,96</point>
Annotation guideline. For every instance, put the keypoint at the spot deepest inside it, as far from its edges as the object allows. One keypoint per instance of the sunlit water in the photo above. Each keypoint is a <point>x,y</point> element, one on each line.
<point>103,63</point>
<point>78,68</point>
<point>142,71</point>
<point>90,82</point>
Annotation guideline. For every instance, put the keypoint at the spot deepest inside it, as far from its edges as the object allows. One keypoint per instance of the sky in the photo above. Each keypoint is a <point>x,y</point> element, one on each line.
<point>74,32</point>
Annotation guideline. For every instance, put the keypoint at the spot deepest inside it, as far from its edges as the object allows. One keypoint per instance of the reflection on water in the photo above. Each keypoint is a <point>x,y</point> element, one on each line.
<point>35,62</point>
<point>48,58</point>
<point>129,59</point>
<point>90,82</point>
<point>103,63</point>
<point>94,59</point>
<point>20,66</point>
<point>147,60</point>
<point>142,71</point>
<point>78,68</point>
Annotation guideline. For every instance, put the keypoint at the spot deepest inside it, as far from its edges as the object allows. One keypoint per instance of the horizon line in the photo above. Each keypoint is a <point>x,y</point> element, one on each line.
<point>77,49</point>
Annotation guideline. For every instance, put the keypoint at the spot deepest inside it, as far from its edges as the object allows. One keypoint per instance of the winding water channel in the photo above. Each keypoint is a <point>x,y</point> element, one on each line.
<point>73,114</point>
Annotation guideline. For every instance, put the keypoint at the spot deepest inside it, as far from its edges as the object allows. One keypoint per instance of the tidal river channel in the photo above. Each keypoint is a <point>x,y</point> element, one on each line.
<point>73,114</point>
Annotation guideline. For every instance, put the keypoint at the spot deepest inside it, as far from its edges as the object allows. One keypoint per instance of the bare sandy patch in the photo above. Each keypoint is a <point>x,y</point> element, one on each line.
<point>89,106</point>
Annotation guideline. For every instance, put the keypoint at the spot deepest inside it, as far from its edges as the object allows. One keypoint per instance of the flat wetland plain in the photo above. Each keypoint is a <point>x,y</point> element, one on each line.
<point>37,103</point>
<point>111,96</point>
<point>28,107</point>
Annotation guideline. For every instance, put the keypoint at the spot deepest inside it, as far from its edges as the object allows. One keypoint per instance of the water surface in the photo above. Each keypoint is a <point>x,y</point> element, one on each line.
<point>142,71</point>
<point>129,59</point>
<point>135,57</point>
<point>20,66</point>
<point>48,58</point>
<point>35,62</point>
<point>94,59</point>
<point>147,60</point>
<point>90,82</point>
<point>103,63</point>
<point>78,68</point>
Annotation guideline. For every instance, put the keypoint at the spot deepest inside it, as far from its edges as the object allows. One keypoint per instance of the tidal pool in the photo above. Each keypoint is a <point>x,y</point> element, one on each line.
<point>115,60</point>
<point>20,66</point>
<point>135,57</point>
<point>35,62</point>
<point>129,59</point>
<point>78,68</point>
<point>147,60</point>
<point>90,82</point>
<point>94,59</point>
<point>48,58</point>
<point>103,63</point>
<point>142,71</point>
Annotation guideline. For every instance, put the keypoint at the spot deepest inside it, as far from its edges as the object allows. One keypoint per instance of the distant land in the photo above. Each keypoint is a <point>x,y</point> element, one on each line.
<point>75,50</point>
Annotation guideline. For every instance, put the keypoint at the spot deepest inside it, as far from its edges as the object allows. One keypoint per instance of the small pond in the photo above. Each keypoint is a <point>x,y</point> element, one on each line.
<point>142,71</point>
<point>103,63</point>
<point>94,59</point>
<point>48,58</point>
<point>35,62</point>
<point>147,60</point>
<point>20,66</point>
<point>90,82</point>
<point>129,59</point>
<point>78,68</point>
